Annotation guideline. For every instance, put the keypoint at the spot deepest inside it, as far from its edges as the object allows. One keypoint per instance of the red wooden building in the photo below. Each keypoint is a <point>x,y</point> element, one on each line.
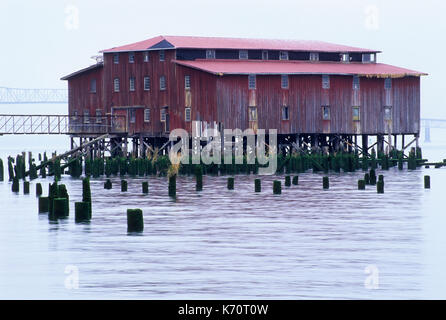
<point>308,90</point>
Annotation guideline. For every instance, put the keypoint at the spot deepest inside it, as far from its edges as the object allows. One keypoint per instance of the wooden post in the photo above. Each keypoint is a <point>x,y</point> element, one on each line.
<point>135,222</point>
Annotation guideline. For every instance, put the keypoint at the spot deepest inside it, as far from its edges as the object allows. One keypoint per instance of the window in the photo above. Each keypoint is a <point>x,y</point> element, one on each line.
<point>116,58</point>
<point>243,54</point>
<point>132,84</point>
<point>162,55</point>
<point>131,57</point>
<point>325,81</point>
<point>285,113</point>
<point>314,56</point>
<point>86,116</point>
<point>186,82</point>
<point>387,113</point>
<point>284,81</point>
<point>264,55</point>
<point>162,83</point>
<point>93,86</point>
<point>163,114</point>
<point>146,57</point>
<point>355,113</point>
<point>355,83</point>
<point>210,54</point>
<point>368,57</point>
<point>74,118</point>
<point>252,114</point>
<point>345,57</point>
<point>147,115</point>
<point>146,83</point>
<point>388,83</point>
<point>98,116</point>
<point>132,115</point>
<point>187,114</point>
<point>325,113</point>
<point>116,84</point>
<point>283,55</point>
<point>252,81</point>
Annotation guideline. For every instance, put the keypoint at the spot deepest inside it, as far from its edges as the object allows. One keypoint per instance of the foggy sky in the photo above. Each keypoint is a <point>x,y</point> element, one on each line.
<point>40,42</point>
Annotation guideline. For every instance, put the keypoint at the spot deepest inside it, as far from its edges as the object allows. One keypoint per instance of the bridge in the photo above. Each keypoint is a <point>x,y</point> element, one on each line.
<point>431,123</point>
<point>22,96</point>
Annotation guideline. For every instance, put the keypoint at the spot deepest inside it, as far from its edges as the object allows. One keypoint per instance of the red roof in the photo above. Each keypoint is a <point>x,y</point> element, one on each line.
<point>175,42</point>
<point>297,67</point>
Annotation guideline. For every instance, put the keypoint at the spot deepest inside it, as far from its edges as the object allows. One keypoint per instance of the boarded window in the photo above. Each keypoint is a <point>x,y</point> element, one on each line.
<point>314,56</point>
<point>132,84</point>
<point>116,84</point>
<point>325,81</point>
<point>285,113</point>
<point>187,82</point>
<point>187,114</point>
<point>116,58</point>
<point>252,114</point>
<point>243,54</point>
<point>283,55</point>
<point>131,57</point>
<point>355,83</point>
<point>162,55</point>
<point>356,113</point>
<point>86,116</point>
<point>252,81</point>
<point>345,57</point>
<point>146,57</point>
<point>162,83</point>
<point>147,115</point>
<point>388,83</point>
<point>387,113</point>
<point>325,113</point>
<point>284,81</point>
<point>210,54</point>
<point>163,114</point>
<point>93,86</point>
<point>132,115</point>
<point>264,55</point>
<point>146,83</point>
<point>98,115</point>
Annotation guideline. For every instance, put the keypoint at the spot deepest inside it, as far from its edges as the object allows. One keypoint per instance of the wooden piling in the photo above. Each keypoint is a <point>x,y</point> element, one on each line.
<point>372,176</point>
<point>361,184</point>
<point>25,187</point>
<point>277,187</point>
<point>60,206</point>
<point>173,185</point>
<point>427,182</point>
<point>380,187</point>
<point>123,185</point>
<point>135,222</point>
<point>108,184</point>
<point>145,187</point>
<point>15,185</point>
<point>295,180</point>
<point>82,211</point>
<point>231,183</point>
<point>287,181</point>
<point>325,182</point>
<point>43,204</point>
<point>257,185</point>
<point>39,191</point>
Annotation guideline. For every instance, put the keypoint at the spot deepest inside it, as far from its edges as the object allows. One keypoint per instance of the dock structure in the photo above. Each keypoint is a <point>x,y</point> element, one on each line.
<point>317,95</point>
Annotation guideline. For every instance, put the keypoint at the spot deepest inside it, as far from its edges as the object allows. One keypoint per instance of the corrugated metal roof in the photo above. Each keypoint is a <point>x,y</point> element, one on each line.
<point>236,43</point>
<point>297,67</point>
<point>92,67</point>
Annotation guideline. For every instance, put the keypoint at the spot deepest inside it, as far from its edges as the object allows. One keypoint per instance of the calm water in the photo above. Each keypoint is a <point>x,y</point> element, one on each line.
<point>306,243</point>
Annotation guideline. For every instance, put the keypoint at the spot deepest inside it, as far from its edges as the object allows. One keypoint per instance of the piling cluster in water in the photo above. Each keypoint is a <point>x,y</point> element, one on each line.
<point>56,204</point>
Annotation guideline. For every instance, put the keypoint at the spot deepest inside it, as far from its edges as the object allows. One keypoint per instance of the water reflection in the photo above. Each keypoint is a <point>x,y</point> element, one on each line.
<point>219,243</point>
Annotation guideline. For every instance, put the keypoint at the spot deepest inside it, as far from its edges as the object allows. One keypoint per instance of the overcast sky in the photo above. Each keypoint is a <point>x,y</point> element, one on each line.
<point>43,40</point>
